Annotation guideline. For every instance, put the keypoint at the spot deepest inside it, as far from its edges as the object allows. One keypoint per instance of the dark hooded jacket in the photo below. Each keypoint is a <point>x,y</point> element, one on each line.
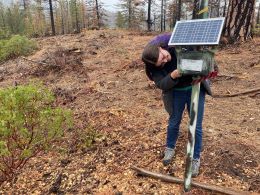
<point>163,80</point>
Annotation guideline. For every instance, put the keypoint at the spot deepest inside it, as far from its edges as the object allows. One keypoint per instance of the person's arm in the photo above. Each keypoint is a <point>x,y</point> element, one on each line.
<point>166,82</point>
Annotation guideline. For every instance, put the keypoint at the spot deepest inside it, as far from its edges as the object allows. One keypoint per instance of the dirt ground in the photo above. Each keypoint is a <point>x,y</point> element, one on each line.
<point>99,76</point>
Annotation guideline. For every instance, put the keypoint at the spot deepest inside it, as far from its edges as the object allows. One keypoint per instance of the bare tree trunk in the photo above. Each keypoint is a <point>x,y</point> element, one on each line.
<point>214,8</point>
<point>62,18</point>
<point>68,16</point>
<point>25,4</point>
<point>130,14</point>
<point>174,14</point>
<point>83,14</point>
<point>162,15</point>
<point>98,14</point>
<point>62,25</point>
<point>154,22</point>
<point>239,20</point>
<point>179,10</point>
<point>149,22</point>
<point>77,17</point>
<point>195,9</point>
<point>52,18</point>
<point>225,8</point>
<point>218,10</point>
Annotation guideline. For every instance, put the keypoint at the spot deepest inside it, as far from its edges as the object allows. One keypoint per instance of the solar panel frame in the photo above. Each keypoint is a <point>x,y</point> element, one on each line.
<point>180,26</point>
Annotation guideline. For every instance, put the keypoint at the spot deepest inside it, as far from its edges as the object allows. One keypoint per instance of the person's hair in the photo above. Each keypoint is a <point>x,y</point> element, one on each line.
<point>150,54</point>
<point>150,57</point>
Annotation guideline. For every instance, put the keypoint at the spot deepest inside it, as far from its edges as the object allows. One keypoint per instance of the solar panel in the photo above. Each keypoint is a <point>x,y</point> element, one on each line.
<point>197,32</point>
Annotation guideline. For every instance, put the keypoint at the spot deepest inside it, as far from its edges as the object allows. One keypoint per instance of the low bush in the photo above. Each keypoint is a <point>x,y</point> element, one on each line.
<point>89,136</point>
<point>256,30</point>
<point>16,46</point>
<point>29,123</point>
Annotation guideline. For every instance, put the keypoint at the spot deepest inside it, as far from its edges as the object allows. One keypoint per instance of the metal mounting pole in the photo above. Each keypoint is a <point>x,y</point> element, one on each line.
<point>203,13</point>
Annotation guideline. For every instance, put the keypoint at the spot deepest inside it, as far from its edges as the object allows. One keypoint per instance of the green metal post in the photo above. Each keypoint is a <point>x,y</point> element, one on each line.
<point>203,13</point>
<point>203,7</point>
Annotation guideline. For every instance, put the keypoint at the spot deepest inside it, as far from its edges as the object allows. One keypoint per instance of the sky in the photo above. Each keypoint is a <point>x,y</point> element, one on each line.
<point>110,5</point>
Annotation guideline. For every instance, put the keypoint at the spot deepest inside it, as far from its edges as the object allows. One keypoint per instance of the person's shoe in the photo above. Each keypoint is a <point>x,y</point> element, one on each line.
<point>168,155</point>
<point>195,167</point>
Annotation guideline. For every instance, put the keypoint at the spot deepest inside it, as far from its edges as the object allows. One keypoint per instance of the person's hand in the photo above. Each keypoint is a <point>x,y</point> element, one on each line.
<point>175,74</point>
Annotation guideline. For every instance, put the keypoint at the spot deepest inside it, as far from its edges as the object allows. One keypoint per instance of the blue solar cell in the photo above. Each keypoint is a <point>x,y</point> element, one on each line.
<point>197,32</point>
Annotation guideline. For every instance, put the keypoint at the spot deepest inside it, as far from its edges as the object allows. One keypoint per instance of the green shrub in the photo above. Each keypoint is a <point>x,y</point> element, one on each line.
<point>89,137</point>
<point>4,34</point>
<point>16,46</point>
<point>28,124</point>
<point>256,30</point>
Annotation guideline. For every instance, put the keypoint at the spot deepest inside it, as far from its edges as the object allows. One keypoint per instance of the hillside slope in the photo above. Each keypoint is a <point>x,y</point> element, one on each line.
<point>99,76</point>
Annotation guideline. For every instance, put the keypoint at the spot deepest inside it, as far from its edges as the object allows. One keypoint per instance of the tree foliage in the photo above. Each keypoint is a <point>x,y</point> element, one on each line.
<point>133,16</point>
<point>120,22</point>
<point>45,17</point>
<point>34,17</point>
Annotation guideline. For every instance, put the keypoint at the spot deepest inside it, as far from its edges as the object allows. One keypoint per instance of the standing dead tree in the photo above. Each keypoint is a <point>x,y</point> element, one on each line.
<point>52,18</point>
<point>239,20</point>
<point>149,21</point>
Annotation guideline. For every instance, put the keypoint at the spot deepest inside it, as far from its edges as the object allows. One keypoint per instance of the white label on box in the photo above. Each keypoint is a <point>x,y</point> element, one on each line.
<point>191,65</point>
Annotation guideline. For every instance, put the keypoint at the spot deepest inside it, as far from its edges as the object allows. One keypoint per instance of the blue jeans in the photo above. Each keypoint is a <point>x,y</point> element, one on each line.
<point>180,99</point>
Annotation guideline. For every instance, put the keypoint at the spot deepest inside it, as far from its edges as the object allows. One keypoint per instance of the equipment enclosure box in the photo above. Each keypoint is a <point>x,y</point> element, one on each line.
<point>195,62</point>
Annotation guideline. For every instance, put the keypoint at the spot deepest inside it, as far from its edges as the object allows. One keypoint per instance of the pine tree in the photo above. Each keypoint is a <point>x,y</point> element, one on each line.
<point>120,22</point>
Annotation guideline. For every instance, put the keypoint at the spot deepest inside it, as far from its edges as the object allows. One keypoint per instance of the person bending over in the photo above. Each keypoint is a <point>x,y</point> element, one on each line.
<point>161,67</point>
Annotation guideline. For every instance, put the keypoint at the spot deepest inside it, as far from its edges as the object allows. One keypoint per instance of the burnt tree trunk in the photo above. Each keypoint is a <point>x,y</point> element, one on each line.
<point>52,18</point>
<point>149,21</point>
<point>179,10</point>
<point>195,9</point>
<point>83,14</point>
<point>164,16</point>
<point>25,4</point>
<point>239,20</point>
<point>98,14</point>
<point>130,11</point>
<point>77,17</point>
<point>162,3</point>
<point>62,19</point>
<point>225,8</point>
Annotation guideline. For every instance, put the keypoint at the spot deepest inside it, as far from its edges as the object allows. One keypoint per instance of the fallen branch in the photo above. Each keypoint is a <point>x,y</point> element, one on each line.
<point>170,179</point>
<point>226,76</point>
<point>254,95</point>
<point>37,62</point>
<point>237,94</point>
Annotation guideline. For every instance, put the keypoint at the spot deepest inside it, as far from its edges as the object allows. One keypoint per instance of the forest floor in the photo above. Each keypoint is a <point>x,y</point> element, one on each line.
<point>100,77</point>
